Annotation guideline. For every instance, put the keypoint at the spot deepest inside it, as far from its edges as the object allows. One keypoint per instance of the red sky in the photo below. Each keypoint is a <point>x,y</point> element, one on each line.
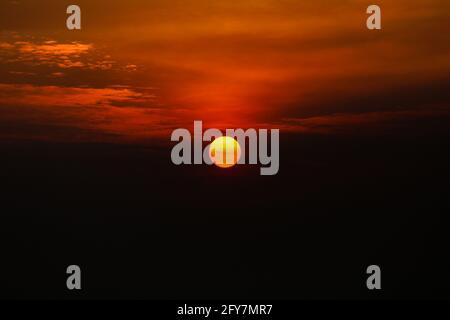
<point>139,68</point>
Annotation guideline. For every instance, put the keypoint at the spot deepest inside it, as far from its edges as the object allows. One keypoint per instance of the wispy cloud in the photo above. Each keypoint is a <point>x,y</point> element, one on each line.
<point>366,122</point>
<point>98,112</point>
<point>15,94</point>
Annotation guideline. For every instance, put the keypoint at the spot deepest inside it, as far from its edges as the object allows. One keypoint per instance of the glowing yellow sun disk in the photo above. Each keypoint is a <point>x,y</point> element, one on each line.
<point>225,152</point>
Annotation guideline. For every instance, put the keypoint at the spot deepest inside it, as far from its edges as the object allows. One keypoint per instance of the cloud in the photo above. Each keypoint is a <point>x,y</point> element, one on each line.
<point>47,62</point>
<point>362,123</point>
<point>98,113</point>
<point>22,51</point>
<point>50,53</point>
<point>54,96</point>
<point>53,49</point>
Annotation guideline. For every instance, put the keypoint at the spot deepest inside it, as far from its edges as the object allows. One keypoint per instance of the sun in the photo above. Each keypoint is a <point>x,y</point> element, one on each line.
<point>225,152</point>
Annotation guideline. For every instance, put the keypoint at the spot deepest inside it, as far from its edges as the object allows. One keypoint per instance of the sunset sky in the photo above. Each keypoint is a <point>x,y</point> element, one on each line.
<point>140,68</point>
<point>89,178</point>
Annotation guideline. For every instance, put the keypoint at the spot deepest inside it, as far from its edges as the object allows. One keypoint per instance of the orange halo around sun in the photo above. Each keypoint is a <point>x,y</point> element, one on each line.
<point>225,152</point>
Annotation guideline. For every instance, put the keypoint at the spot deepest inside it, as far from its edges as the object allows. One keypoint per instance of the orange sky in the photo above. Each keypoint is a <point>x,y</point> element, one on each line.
<point>139,68</point>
